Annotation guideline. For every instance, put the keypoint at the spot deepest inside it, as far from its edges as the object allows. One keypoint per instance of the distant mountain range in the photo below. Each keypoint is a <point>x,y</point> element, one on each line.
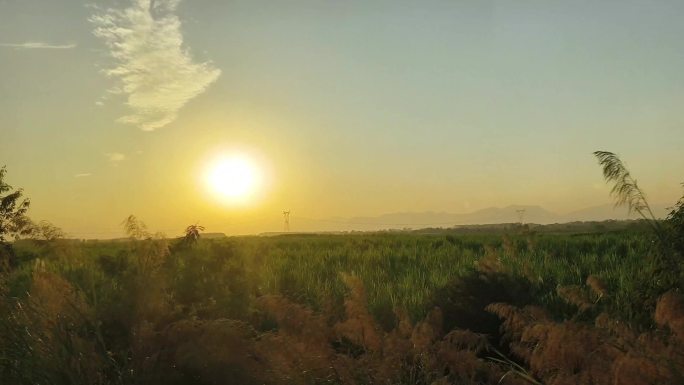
<point>491,215</point>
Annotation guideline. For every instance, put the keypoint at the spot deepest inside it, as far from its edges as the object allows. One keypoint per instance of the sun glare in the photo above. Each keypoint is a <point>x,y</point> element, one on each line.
<point>233,179</point>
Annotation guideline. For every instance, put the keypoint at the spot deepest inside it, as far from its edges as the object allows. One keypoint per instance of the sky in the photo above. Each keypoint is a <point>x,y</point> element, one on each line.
<point>347,108</point>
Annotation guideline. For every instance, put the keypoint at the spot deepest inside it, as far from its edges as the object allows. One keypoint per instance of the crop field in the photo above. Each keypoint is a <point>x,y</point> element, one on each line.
<point>514,306</point>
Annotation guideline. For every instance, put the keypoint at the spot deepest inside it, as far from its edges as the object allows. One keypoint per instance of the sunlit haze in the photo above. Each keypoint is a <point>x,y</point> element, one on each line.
<point>227,113</point>
<point>233,179</point>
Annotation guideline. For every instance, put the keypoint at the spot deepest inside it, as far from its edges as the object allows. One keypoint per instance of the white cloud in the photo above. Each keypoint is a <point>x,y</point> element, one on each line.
<point>83,175</point>
<point>37,45</point>
<point>155,71</point>
<point>115,156</point>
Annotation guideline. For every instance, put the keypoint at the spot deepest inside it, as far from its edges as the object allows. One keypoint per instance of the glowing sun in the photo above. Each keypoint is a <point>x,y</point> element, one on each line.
<point>233,179</point>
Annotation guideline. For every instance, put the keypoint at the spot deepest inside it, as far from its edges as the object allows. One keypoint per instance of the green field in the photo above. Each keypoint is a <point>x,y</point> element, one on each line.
<point>104,296</point>
<point>402,270</point>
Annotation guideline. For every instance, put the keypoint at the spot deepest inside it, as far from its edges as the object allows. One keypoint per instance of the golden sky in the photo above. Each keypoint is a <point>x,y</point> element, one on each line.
<point>347,109</point>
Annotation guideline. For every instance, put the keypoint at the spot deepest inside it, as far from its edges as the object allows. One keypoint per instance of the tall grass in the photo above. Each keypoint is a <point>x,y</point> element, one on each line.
<point>132,309</point>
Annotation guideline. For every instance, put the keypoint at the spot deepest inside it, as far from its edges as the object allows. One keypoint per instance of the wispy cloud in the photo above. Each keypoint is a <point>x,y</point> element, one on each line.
<point>115,157</point>
<point>155,71</point>
<point>37,45</point>
<point>83,175</point>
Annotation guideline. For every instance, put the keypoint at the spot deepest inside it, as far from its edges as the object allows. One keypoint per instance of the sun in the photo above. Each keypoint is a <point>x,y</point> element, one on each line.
<point>233,179</point>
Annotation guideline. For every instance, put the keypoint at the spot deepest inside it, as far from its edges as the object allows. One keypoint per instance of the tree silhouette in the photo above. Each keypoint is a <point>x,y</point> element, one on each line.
<point>675,227</point>
<point>192,234</point>
<point>13,220</point>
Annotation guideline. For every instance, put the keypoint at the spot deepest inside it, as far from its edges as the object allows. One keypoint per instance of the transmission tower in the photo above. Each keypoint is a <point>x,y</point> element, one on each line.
<point>286,216</point>
<point>521,214</point>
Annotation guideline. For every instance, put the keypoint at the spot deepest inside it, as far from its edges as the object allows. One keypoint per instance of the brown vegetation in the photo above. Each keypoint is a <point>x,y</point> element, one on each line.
<point>305,348</point>
<point>608,352</point>
<point>283,342</point>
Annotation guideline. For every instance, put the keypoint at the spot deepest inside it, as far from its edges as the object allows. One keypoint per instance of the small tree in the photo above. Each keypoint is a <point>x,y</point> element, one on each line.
<point>192,234</point>
<point>675,228</point>
<point>13,220</point>
<point>46,231</point>
<point>135,229</point>
<point>150,249</point>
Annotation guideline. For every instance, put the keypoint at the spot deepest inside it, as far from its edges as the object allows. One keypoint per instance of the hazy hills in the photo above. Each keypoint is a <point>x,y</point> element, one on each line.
<point>491,215</point>
<point>431,219</point>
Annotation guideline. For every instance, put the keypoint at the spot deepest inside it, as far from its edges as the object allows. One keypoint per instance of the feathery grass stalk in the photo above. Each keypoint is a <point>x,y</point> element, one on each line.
<point>514,368</point>
<point>625,188</point>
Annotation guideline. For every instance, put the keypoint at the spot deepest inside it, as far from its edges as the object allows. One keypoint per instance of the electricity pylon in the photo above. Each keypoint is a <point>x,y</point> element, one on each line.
<point>286,216</point>
<point>521,214</point>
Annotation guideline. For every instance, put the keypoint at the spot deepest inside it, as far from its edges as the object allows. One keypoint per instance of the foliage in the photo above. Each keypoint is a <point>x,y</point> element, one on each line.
<point>276,310</point>
<point>605,351</point>
<point>625,188</point>
<point>135,229</point>
<point>667,272</point>
<point>45,231</point>
<point>12,209</point>
<point>192,233</point>
<point>675,229</point>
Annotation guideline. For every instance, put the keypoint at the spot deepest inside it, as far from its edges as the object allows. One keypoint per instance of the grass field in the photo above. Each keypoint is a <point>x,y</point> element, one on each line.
<point>398,269</point>
<point>91,312</point>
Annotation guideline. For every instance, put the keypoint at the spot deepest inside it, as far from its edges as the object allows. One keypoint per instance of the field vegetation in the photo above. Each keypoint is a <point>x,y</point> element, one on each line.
<point>519,305</point>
